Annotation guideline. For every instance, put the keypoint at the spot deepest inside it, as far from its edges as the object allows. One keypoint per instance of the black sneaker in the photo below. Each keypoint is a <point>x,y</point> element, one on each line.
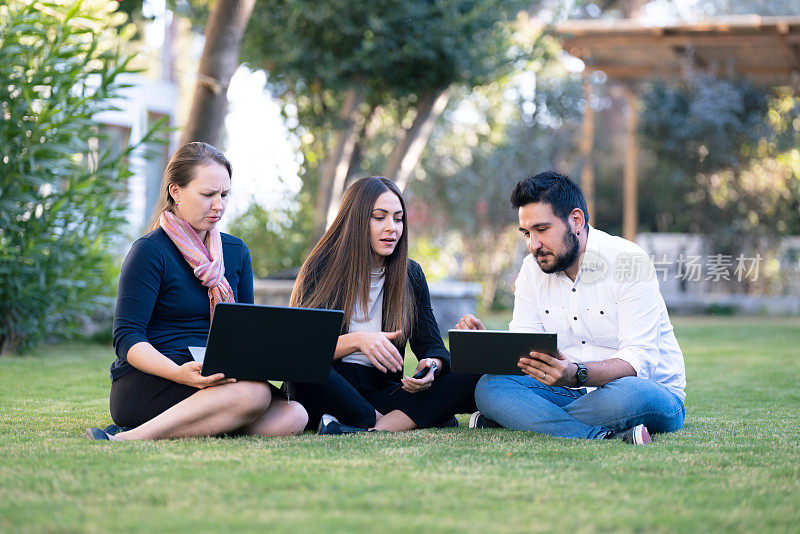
<point>637,435</point>
<point>95,433</point>
<point>329,425</point>
<point>449,423</point>
<point>478,420</point>
<point>113,429</point>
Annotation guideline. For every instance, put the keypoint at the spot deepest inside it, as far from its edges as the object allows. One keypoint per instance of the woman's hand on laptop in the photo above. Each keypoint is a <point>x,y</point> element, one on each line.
<point>189,374</point>
<point>469,322</point>
<point>379,349</point>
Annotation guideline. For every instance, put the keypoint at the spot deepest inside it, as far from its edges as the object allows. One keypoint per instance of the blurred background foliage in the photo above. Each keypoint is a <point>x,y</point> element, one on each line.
<point>517,124</point>
<point>277,238</point>
<point>718,155</point>
<point>61,185</point>
<point>370,75</point>
<point>723,162</point>
<point>718,158</point>
<point>358,91</point>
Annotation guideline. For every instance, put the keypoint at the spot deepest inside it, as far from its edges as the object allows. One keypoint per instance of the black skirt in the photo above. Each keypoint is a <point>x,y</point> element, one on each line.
<point>137,397</point>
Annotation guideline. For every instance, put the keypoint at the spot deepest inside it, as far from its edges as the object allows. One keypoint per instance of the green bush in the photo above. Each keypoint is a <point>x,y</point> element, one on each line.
<point>278,239</point>
<point>60,196</point>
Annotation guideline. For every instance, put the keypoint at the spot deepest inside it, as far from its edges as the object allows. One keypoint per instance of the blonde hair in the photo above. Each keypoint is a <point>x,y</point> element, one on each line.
<point>180,171</point>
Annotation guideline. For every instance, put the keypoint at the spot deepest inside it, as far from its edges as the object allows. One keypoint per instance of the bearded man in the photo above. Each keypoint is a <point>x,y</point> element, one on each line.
<point>618,371</point>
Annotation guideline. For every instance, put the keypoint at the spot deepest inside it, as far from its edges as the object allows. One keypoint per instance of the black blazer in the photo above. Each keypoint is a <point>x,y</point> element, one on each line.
<point>425,339</point>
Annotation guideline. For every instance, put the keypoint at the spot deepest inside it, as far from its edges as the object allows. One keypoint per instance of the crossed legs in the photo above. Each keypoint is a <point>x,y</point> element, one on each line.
<point>246,407</point>
<point>523,403</point>
<point>357,396</point>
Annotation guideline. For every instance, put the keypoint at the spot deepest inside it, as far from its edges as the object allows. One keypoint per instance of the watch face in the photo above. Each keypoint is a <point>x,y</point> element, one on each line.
<point>582,374</point>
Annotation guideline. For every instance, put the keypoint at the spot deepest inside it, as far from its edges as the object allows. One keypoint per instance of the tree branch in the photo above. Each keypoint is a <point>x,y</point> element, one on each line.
<point>337,164</point>
<point>408,150</point>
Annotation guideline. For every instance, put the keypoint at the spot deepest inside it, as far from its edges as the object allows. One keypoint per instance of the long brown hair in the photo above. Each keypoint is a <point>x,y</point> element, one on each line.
<point>180,171</point>
<point>337,272</point>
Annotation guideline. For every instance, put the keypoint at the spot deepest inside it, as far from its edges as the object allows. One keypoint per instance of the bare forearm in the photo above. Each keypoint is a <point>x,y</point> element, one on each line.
<point>146,358</point>
<point>346,345</point>
<point>602,372</point>
<point>558,371</point>
<point>376,346</point>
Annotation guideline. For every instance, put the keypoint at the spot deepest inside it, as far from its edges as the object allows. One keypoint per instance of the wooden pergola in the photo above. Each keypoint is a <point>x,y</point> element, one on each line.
<point>766,50</point>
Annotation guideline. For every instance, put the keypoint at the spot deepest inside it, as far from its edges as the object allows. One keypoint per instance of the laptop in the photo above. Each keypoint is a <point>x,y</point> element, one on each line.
<point>495,352</point>
<point>252,342</point>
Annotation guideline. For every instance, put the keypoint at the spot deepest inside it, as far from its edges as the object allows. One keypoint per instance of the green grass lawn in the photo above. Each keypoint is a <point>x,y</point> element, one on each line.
<point>734,467</point>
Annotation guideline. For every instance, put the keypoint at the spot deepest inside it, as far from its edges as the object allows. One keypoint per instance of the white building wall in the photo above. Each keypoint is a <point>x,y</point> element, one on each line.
<point>136,104</point>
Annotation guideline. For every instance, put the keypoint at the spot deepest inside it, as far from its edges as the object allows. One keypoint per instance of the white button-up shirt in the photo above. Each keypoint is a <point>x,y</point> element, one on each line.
<point>614,309</point>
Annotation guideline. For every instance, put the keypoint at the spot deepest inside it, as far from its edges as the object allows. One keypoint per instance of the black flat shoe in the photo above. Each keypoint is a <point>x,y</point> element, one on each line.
<point>450,423</point>
<point>113,429</point>
<point>95,433</point>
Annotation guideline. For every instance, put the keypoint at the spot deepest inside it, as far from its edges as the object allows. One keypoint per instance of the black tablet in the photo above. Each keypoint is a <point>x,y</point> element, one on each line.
<point>495,352</point>
<point>251,342</point>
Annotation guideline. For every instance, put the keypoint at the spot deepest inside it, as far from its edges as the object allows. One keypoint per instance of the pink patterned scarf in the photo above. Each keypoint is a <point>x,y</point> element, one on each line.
<point>204,258</point>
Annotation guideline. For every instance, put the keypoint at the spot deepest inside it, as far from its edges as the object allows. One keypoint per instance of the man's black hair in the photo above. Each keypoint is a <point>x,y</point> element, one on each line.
<point>555,189</point>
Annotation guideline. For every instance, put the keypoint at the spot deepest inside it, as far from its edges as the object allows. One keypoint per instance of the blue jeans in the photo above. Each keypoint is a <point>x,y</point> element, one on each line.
<point>524,403</point>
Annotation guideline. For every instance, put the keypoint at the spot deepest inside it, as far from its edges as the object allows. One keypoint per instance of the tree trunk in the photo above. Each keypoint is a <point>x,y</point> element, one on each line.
<point>372,124</point>
<point>408,150</point>
<point>334,170</point>
<point>630,174</point>
<point>9,343</point>
<point>586,146</point>
<point>498,250</point>
<point>224,31</point>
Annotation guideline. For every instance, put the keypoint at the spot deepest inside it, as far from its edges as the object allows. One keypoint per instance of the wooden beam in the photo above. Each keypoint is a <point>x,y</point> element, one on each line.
<point>628,26</point>
<point>759,75</point>
<point>733,40</point>
<point>587,147</point>
<point>630,219</point>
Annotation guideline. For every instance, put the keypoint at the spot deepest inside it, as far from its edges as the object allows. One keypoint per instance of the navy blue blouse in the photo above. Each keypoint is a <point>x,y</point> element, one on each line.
<point>162,302</point>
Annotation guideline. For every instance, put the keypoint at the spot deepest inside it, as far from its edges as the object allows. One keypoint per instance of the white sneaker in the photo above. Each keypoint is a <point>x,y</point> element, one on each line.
<point>637,435</point>
<point>478,420</point>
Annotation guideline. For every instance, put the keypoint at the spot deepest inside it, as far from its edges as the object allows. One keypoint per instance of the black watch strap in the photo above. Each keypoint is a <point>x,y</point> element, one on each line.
<point>581,374</point>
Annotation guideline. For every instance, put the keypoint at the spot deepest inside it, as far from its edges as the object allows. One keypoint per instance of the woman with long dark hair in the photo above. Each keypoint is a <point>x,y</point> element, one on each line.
<point>361,266</point>
<point>170,282</point>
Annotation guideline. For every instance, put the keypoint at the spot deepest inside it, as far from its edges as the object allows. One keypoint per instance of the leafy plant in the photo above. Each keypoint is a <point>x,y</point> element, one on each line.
<point>363,84</point>
<point>60,195</point>
<point>726,166</point>
<point>278,239</point>
<point>462,204</point>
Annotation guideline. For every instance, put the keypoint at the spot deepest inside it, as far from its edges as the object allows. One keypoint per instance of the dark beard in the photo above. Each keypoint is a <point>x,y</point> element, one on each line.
<point>562,261</point>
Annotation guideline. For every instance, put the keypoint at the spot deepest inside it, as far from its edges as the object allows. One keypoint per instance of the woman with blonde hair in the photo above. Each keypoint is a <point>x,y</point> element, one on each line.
<point>361,266</point>
<point>170,282</point>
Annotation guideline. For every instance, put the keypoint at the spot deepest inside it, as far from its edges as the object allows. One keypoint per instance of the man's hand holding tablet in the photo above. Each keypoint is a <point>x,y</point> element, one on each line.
<point>502,352</point>
<point>549,370</point>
